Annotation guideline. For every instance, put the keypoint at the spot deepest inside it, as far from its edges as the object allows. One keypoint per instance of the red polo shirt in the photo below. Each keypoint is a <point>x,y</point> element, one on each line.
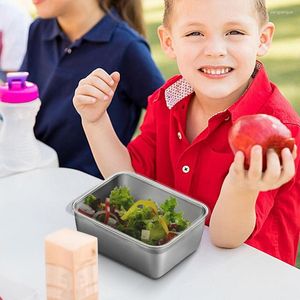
<point>163,153</point>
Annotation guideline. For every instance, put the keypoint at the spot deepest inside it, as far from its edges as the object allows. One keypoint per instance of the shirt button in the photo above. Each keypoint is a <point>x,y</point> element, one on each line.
<point>179,135</point>
<point>68,50</point>
<point>185,169</point>
<point>227,118</point>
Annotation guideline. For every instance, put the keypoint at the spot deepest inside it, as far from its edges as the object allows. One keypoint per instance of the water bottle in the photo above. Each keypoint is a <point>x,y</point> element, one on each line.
<point>19,149</point>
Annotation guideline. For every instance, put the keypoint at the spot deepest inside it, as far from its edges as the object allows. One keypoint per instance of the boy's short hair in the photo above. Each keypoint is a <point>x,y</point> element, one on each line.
<point>260,7</point>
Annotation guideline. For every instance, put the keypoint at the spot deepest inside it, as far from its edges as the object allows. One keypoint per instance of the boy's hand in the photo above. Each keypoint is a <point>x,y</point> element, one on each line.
<point>254,179</point>
<point>233,218</point>
<point>94,94</point>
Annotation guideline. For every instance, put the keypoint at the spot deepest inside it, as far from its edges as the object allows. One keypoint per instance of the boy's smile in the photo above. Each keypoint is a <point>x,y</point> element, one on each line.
<point>215,44</point>
<point>215,72</point>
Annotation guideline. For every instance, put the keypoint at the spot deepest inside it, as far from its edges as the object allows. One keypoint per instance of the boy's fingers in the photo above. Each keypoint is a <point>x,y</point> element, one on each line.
<point>116,78</point>
<point>102,81</point>
<point>238,163</point>
<point>91,91</point>
<point>256,158</point>
<point>273,171</point>
<point>288,164</point>
<point>295,151</point>
<point>99,84</point>
<point>82,99</point>
<point>103,75</point>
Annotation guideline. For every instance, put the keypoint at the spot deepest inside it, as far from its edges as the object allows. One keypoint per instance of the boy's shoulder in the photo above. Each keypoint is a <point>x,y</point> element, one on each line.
<point>279,107</point>
<point>263,96</point>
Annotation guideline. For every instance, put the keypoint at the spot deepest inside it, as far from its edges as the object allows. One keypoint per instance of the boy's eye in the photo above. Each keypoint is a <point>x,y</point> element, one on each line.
<point>194,33</point>
<point>235,32</point>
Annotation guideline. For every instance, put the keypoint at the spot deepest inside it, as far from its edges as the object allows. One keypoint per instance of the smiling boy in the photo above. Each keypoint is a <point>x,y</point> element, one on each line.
<point>184,137</point>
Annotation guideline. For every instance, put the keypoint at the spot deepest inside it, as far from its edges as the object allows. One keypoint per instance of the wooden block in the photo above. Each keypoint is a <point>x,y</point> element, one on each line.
<point>71,266</point>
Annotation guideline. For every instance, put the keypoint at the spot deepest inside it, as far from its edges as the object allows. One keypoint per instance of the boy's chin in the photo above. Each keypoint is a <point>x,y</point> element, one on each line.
<point>218,96</point>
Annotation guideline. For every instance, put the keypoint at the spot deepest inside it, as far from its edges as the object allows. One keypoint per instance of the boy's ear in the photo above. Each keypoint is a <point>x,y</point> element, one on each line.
<point>166,41</point>
<point>266,36</point>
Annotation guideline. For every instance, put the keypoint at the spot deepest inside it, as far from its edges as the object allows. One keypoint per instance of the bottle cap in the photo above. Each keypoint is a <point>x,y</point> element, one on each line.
<point>17,89</point>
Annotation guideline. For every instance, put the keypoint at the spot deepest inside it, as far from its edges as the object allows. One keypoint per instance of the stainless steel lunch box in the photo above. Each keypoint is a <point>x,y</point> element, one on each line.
<point>153,261</point>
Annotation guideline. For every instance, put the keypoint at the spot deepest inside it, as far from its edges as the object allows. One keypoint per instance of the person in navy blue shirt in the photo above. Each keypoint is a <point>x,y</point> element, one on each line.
<point>67,42</point>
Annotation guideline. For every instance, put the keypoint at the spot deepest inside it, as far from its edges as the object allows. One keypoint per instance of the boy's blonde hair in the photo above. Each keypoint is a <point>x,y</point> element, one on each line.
<point>260,7</point>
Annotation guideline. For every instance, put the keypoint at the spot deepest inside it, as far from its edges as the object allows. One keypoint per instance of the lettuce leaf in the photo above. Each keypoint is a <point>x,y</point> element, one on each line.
<point>121,198</point>
<point>173,217</point>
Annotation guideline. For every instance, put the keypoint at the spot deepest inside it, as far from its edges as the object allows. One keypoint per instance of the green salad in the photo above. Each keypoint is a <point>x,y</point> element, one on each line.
<point>142,219</point>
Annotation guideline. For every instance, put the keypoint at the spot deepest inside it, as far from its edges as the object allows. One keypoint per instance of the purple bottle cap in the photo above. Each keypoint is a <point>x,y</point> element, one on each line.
<point>17,89</point>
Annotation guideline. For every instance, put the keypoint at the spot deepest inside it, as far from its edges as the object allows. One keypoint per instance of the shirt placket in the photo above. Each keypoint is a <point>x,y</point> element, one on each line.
<point>185,168</point>
<point>182,149</point>
<point>187,158</point>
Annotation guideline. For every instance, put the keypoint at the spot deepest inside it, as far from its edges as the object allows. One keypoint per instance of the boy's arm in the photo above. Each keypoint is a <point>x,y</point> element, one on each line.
<point>109,153</point>
<point>91,100</point>
<point>233,218</point>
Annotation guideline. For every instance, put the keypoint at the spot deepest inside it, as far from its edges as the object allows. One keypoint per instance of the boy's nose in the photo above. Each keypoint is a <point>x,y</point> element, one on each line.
<point>215,47</point>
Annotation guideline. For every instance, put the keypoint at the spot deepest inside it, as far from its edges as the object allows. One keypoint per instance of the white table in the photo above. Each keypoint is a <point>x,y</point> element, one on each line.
<point>33,204</point>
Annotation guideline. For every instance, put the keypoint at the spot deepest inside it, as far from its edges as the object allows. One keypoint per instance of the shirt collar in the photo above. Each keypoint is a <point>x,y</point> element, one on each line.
<point>249,103</point>
<point>177,91</point>
<point>255,96</point>
<point>101,32</point>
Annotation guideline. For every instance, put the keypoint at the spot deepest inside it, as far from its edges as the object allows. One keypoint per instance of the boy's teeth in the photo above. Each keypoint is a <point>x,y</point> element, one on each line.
<point>216,71</point>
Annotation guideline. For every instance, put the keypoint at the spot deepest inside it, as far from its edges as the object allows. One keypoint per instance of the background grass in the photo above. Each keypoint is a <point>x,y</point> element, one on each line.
<point>282,62</point>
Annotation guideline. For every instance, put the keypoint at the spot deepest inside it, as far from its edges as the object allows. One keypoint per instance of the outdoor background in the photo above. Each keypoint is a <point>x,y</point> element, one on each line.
<point>282,62</point>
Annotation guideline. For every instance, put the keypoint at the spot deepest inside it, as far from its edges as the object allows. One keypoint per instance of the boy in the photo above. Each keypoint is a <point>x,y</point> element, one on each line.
<point>183,141</point>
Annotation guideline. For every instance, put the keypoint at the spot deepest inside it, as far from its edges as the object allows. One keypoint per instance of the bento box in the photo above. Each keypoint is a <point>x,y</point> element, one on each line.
<point>151,260</point>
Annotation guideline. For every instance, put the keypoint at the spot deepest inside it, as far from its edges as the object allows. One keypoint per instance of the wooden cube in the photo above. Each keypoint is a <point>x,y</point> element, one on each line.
<point>71,266</point>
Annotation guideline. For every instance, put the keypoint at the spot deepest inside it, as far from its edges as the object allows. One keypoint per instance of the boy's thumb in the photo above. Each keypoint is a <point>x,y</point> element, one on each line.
<point>116,78</point>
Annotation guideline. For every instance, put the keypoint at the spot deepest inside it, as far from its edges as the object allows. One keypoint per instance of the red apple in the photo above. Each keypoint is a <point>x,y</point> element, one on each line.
<point>260,129</point>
